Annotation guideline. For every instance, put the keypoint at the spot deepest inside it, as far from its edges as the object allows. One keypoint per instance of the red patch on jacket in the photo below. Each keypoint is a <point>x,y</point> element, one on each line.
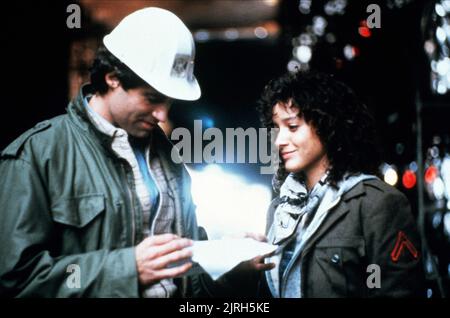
<point>400,245</point>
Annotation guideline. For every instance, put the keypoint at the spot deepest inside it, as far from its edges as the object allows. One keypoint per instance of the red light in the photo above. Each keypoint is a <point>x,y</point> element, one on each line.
<point>409,179</point>
<point>364,32</point>
<point>430,174</point>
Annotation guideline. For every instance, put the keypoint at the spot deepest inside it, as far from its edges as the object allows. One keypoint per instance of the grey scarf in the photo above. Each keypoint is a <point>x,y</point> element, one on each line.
<point>297,206</point>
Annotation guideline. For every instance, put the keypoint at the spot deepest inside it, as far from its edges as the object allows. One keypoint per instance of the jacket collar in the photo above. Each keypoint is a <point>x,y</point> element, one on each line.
<point>78,114</point>
<point>356,191</point>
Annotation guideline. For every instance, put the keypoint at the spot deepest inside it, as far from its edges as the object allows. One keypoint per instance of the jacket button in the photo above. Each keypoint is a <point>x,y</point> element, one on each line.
<point>335,259</point>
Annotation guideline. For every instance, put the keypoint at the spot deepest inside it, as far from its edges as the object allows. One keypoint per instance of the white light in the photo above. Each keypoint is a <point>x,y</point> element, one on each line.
<point>429,267</point>
<point>335,6</point>
<point>232,34</point>
<point>261,32</point>
<point>434,84</point>
<point>293,66</point>
<point>445,173</point>
<point>319,25</point>
<point>305,6</point>
<point>447,29</point>
<point>438,188</point>
<point>349,52</point>
<point>201,35</point>
<point>340,6</point>
<point>305,39</point>
<point>441,88</point>
<point>391,176</point>
<point>330,8</point>
<point>434,65</point>
<point>447,223</point>
<point>439,9</point>
<point>226,204</point>
<point>443,66</point>
<point>319,22</point>
<point>434,152</point>
<point>303,53</point>
<point>446,4</point>
<point>304,10</point>
<point>429,47</point>
<point>437,219</point>
<point>440,34</point>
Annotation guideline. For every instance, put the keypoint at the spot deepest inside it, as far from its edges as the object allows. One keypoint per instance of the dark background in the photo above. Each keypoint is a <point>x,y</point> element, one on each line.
<point>389,71</point>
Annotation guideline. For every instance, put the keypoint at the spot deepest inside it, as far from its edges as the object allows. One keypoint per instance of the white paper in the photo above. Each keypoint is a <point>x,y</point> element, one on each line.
<point>217,257</point>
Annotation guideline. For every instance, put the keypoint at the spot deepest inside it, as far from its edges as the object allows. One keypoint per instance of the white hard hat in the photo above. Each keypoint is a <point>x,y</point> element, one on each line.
<point>156,45</point>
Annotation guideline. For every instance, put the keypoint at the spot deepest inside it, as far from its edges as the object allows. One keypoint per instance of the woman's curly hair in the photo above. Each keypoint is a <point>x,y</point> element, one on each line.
<point>343,124</point>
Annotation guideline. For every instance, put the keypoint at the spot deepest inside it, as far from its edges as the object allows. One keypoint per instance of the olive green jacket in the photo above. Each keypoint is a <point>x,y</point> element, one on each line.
<point>68,206</point>
<point>371,231</point>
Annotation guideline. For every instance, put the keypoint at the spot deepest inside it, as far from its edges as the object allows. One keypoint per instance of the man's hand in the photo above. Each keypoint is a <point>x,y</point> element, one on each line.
<point>154,253</point>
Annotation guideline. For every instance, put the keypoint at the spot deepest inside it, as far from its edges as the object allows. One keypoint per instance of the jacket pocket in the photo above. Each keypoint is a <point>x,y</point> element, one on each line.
<point>78,211</point>
<point>355,242</point>
<point>80,223</point>
<point>340,260</point>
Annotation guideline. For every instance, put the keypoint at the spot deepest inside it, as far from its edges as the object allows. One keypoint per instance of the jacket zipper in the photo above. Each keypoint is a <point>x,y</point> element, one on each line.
<point>130,197</point>
<point>301,252</point>
<point>147,159</point>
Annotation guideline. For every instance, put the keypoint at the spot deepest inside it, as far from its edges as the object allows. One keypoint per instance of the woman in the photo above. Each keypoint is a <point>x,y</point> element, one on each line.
<point>341,231</point>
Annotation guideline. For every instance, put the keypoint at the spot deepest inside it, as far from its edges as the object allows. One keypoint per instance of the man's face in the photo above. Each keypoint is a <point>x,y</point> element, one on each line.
<point>299,146</point>
<point>138,110</point>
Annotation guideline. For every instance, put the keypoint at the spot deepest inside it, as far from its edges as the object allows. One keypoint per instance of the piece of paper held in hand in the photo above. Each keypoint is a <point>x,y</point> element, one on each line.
<point>217,257</point>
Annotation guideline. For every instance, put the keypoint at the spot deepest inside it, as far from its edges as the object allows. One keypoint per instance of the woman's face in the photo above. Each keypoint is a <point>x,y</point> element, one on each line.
<point>299,146</point>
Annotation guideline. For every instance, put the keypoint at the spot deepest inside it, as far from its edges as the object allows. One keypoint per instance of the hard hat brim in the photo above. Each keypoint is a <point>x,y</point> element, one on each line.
<point>177,88</point>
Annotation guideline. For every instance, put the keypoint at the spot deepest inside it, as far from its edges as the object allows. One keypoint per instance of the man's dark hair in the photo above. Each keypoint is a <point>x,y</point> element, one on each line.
<point>105,62</point>
<point>343,124</point>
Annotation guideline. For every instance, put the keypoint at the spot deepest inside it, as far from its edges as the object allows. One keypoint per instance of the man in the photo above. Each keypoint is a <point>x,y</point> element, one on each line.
<point>92,205</point>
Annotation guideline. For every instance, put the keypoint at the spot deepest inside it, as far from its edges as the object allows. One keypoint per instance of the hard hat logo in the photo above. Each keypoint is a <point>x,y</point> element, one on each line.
<point>156,45</point>
<point>183,67</point>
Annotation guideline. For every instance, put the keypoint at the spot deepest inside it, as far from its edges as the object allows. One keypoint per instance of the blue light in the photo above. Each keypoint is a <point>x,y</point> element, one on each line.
<point>207,122</point>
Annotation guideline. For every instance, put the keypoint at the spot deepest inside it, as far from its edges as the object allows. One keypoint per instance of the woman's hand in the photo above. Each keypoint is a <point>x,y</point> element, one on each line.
<point>256,264</point>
